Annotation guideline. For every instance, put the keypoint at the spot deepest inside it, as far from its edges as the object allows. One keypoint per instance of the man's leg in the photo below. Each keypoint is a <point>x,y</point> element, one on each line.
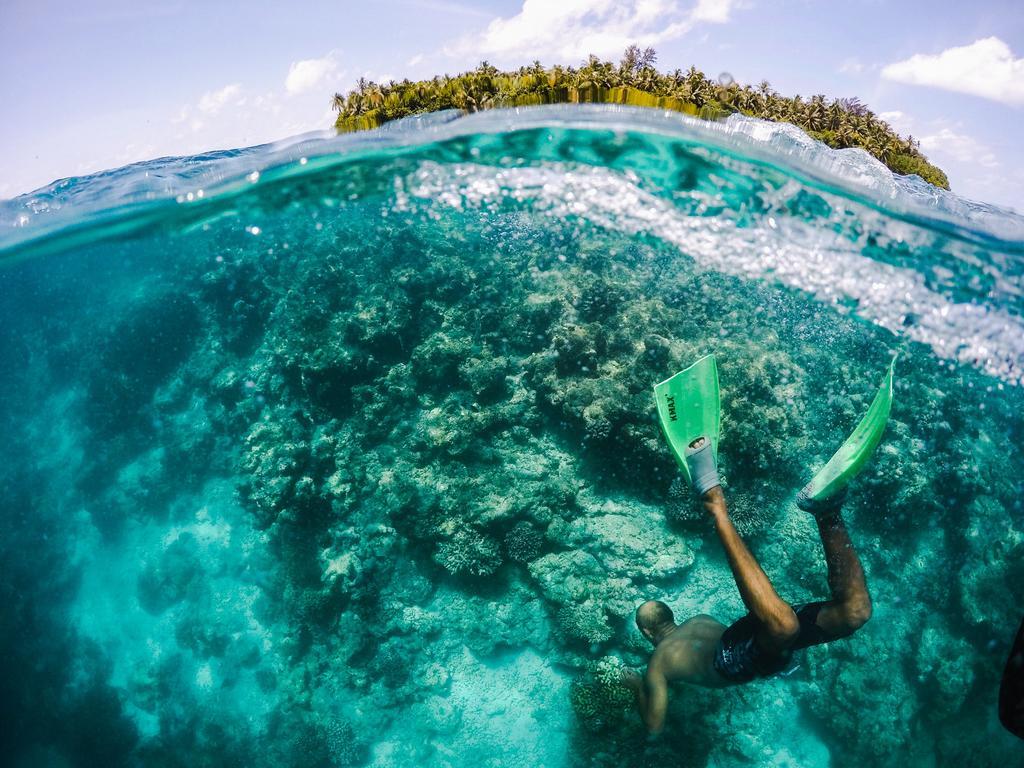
<point>778,624</point>
<point>850,606</point>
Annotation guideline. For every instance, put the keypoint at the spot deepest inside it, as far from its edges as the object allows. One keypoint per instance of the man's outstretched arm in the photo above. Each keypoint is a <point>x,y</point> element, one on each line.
<point>651,697</point>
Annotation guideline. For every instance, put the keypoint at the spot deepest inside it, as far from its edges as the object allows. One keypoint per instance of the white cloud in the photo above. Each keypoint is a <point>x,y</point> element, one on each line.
<point>944,141</point>
<point>238,116</point>
<point>712,11</point>
<point>898,121</point>
<point>212,102</point>
<point>851,67</point>
<point>969,162</point>
<point>569,30</point>
<point>960,146</point>
<point>309,74</point>
<point>985,68</point>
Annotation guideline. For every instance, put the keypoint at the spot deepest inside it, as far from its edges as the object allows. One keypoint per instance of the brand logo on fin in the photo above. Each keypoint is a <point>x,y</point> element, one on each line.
<point>671,407</point>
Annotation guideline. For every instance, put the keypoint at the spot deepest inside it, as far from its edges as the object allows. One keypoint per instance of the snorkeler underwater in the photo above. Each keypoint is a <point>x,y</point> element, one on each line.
<point>703,651</point>
<point>596,412</point>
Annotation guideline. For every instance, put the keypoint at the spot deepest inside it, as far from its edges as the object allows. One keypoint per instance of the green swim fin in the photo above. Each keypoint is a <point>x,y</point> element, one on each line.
<point>852,455</point>
<point>688,407</point>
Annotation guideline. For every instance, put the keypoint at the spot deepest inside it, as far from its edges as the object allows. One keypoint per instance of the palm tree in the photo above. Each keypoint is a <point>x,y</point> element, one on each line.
<point>845,135</point>
<point>815,114</point>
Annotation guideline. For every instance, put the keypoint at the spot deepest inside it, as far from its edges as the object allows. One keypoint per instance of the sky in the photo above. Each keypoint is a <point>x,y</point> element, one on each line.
<point>88,85</point>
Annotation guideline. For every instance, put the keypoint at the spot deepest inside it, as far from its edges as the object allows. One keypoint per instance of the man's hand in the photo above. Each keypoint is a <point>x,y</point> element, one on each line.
<point>631,679</point>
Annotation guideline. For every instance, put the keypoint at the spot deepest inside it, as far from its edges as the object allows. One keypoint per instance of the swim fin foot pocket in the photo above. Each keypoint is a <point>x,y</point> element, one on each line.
<point>820,507</point>
<point>703,467</point>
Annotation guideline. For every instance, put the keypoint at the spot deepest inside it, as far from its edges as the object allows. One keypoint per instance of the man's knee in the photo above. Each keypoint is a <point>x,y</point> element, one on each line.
<point>784,626</point>
<point>857,612</point>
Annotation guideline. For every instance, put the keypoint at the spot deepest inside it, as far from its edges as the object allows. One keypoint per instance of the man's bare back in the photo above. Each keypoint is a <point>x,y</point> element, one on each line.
<point>687,654</point>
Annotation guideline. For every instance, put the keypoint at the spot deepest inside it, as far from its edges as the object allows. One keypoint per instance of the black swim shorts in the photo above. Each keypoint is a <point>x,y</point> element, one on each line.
<point>739,659</point>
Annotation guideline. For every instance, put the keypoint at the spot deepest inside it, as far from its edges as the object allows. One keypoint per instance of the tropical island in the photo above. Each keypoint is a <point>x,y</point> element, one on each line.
<point>635,81</point>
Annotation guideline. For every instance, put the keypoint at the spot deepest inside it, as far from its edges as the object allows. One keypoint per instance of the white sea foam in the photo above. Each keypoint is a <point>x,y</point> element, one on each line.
<point>817,260</point>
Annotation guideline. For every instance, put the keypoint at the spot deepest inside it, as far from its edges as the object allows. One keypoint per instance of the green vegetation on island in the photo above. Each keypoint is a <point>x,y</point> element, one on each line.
<point>839,123</point>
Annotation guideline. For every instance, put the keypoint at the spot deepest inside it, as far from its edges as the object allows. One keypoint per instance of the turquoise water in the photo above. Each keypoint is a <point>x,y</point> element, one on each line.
<point>342,451</point>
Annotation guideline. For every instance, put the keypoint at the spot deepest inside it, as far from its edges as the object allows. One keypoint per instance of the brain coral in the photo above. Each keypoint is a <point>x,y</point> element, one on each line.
<point>523,542</point>
<point>598,696</point>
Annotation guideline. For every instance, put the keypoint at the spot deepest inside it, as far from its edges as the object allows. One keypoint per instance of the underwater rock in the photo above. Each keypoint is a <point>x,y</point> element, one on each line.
<point>943,665</point>
<point>757,724</point>
<point>630,537</point>
<point>486,375</point>
<point>277,451</point>
<point>437,715</point>
<point>141,485</point>
<point>568,577</point>
<point>585,622</point>
<point>763,398</point>
<point>433,677</point>
<point>171,576</point>
<point>897,485</point>
<point>198,633</point>
<point>437,358</point>
<point>991,578</point>
<point>865,706</point>
<point>132,357</point>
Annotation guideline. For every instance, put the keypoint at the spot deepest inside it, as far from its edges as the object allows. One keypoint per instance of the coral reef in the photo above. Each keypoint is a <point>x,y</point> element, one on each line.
<point>598,697</point>
<point>372,489</point>
<point>994,542</point>
<point>469,552</point>
<point>584,621</point>
<point>523,542</point>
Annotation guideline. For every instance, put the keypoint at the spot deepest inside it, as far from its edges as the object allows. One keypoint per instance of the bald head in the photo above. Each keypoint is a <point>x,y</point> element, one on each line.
<point>653,615</point>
